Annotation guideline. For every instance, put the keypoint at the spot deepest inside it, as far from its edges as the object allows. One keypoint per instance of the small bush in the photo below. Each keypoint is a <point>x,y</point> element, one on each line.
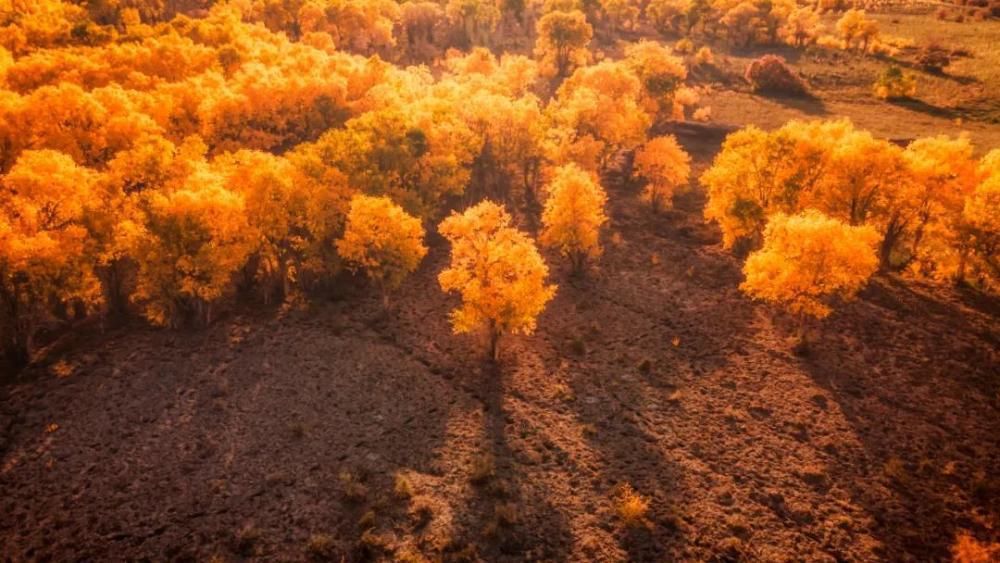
<point>320,547</point>
<point>894,84</point>
<point>402,486</point>
<point>630,506</point>
<point>684,46</point>
<point>934,58</point>
<point>771,75</point>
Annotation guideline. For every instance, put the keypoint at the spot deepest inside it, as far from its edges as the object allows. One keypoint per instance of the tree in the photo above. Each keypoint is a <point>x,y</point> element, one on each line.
<point>188,240</point>
<point>665,167</point>
<point>807,260</point>
<point>562,41</point>
<point>758,173</point>
<point>857,30</point>
<point>981,218</point>
<point>944,174</point>
<point>802,27</point>
<point>574,214</point>
<point>382,240</point>
<point>46,269</point>
<point>660,72</point>
<point>498,272</point>
<point>596,113</point>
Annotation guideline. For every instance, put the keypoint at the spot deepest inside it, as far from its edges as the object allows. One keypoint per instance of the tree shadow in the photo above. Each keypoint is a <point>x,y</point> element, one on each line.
<point>921,106</point>
<point>919,391</point>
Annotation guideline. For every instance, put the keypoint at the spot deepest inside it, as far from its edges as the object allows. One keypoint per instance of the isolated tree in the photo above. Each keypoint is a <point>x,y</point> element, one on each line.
<point>573,215</point>
<point>665,167</point>
<point>562,42</point>
<point>45,265</point>
<point>383,241</point>
<point>498,272</point>
<point>808,260</point>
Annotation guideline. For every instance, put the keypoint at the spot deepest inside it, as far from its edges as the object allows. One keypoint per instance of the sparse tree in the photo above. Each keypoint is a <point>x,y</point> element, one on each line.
<point>381,239</point>
<point>573,215</point>
<point>498,272</point>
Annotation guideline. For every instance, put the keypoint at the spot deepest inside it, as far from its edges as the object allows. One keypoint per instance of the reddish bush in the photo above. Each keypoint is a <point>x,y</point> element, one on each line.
<point>770,74</point>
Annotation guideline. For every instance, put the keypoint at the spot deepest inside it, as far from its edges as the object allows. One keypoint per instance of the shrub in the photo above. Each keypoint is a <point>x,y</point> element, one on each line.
<point>934,58</point>
<point>770,74</point>
<point>630,506</point>
<point>895,84</point>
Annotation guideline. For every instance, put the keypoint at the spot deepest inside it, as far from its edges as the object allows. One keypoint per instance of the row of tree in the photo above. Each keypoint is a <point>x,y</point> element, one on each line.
<point>181,162</point>
<point>932,206</point>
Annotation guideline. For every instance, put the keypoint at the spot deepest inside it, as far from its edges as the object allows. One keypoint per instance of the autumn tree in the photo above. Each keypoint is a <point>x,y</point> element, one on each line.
<point>188,240</point>
<point>856,30</point>
<point>981,222</point>
<point>661,75</point>
<point>498,272</point>
<point>944,173</point>
<point>383,241</point>
<point>46,267</point>
<point>802,26</point>
<point>665,167</point>
<point>807,260</point>
<point>758,173</point>
<point>573,215</point>
<point>596,113</point>
<point>562,41</point>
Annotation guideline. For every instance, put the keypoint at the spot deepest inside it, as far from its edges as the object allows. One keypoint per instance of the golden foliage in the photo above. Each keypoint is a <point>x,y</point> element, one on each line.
<point>45,262</point>
<point>188,241</point>
<point>562,41</point>
<point>497,270</point>
<point>382,240</point>
<point>574,214</point>
<point>665,167</point>
<point>807,259</point>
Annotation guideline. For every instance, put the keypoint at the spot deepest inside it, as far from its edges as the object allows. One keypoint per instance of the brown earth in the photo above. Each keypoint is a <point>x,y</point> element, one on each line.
<point>236,442</point>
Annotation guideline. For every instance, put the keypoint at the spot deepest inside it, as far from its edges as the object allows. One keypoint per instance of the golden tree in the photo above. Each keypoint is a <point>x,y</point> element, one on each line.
<point>498,272</point>
<point>574,214</point>
<point>758,173</point>
<point>45,264</point>
<point>856,30</point>
<point>381,239</point>
<point>562,41</point>
<point>596,113</point>
<point>809,259</point>
<point>188,241</point>
<point>944,173</point>
<point>981,219</point>
<point>661,74</point>
<point>665,167</point>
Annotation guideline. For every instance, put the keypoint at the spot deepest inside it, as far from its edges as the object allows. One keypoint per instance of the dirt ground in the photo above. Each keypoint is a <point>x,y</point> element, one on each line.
<point>271,428</point>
